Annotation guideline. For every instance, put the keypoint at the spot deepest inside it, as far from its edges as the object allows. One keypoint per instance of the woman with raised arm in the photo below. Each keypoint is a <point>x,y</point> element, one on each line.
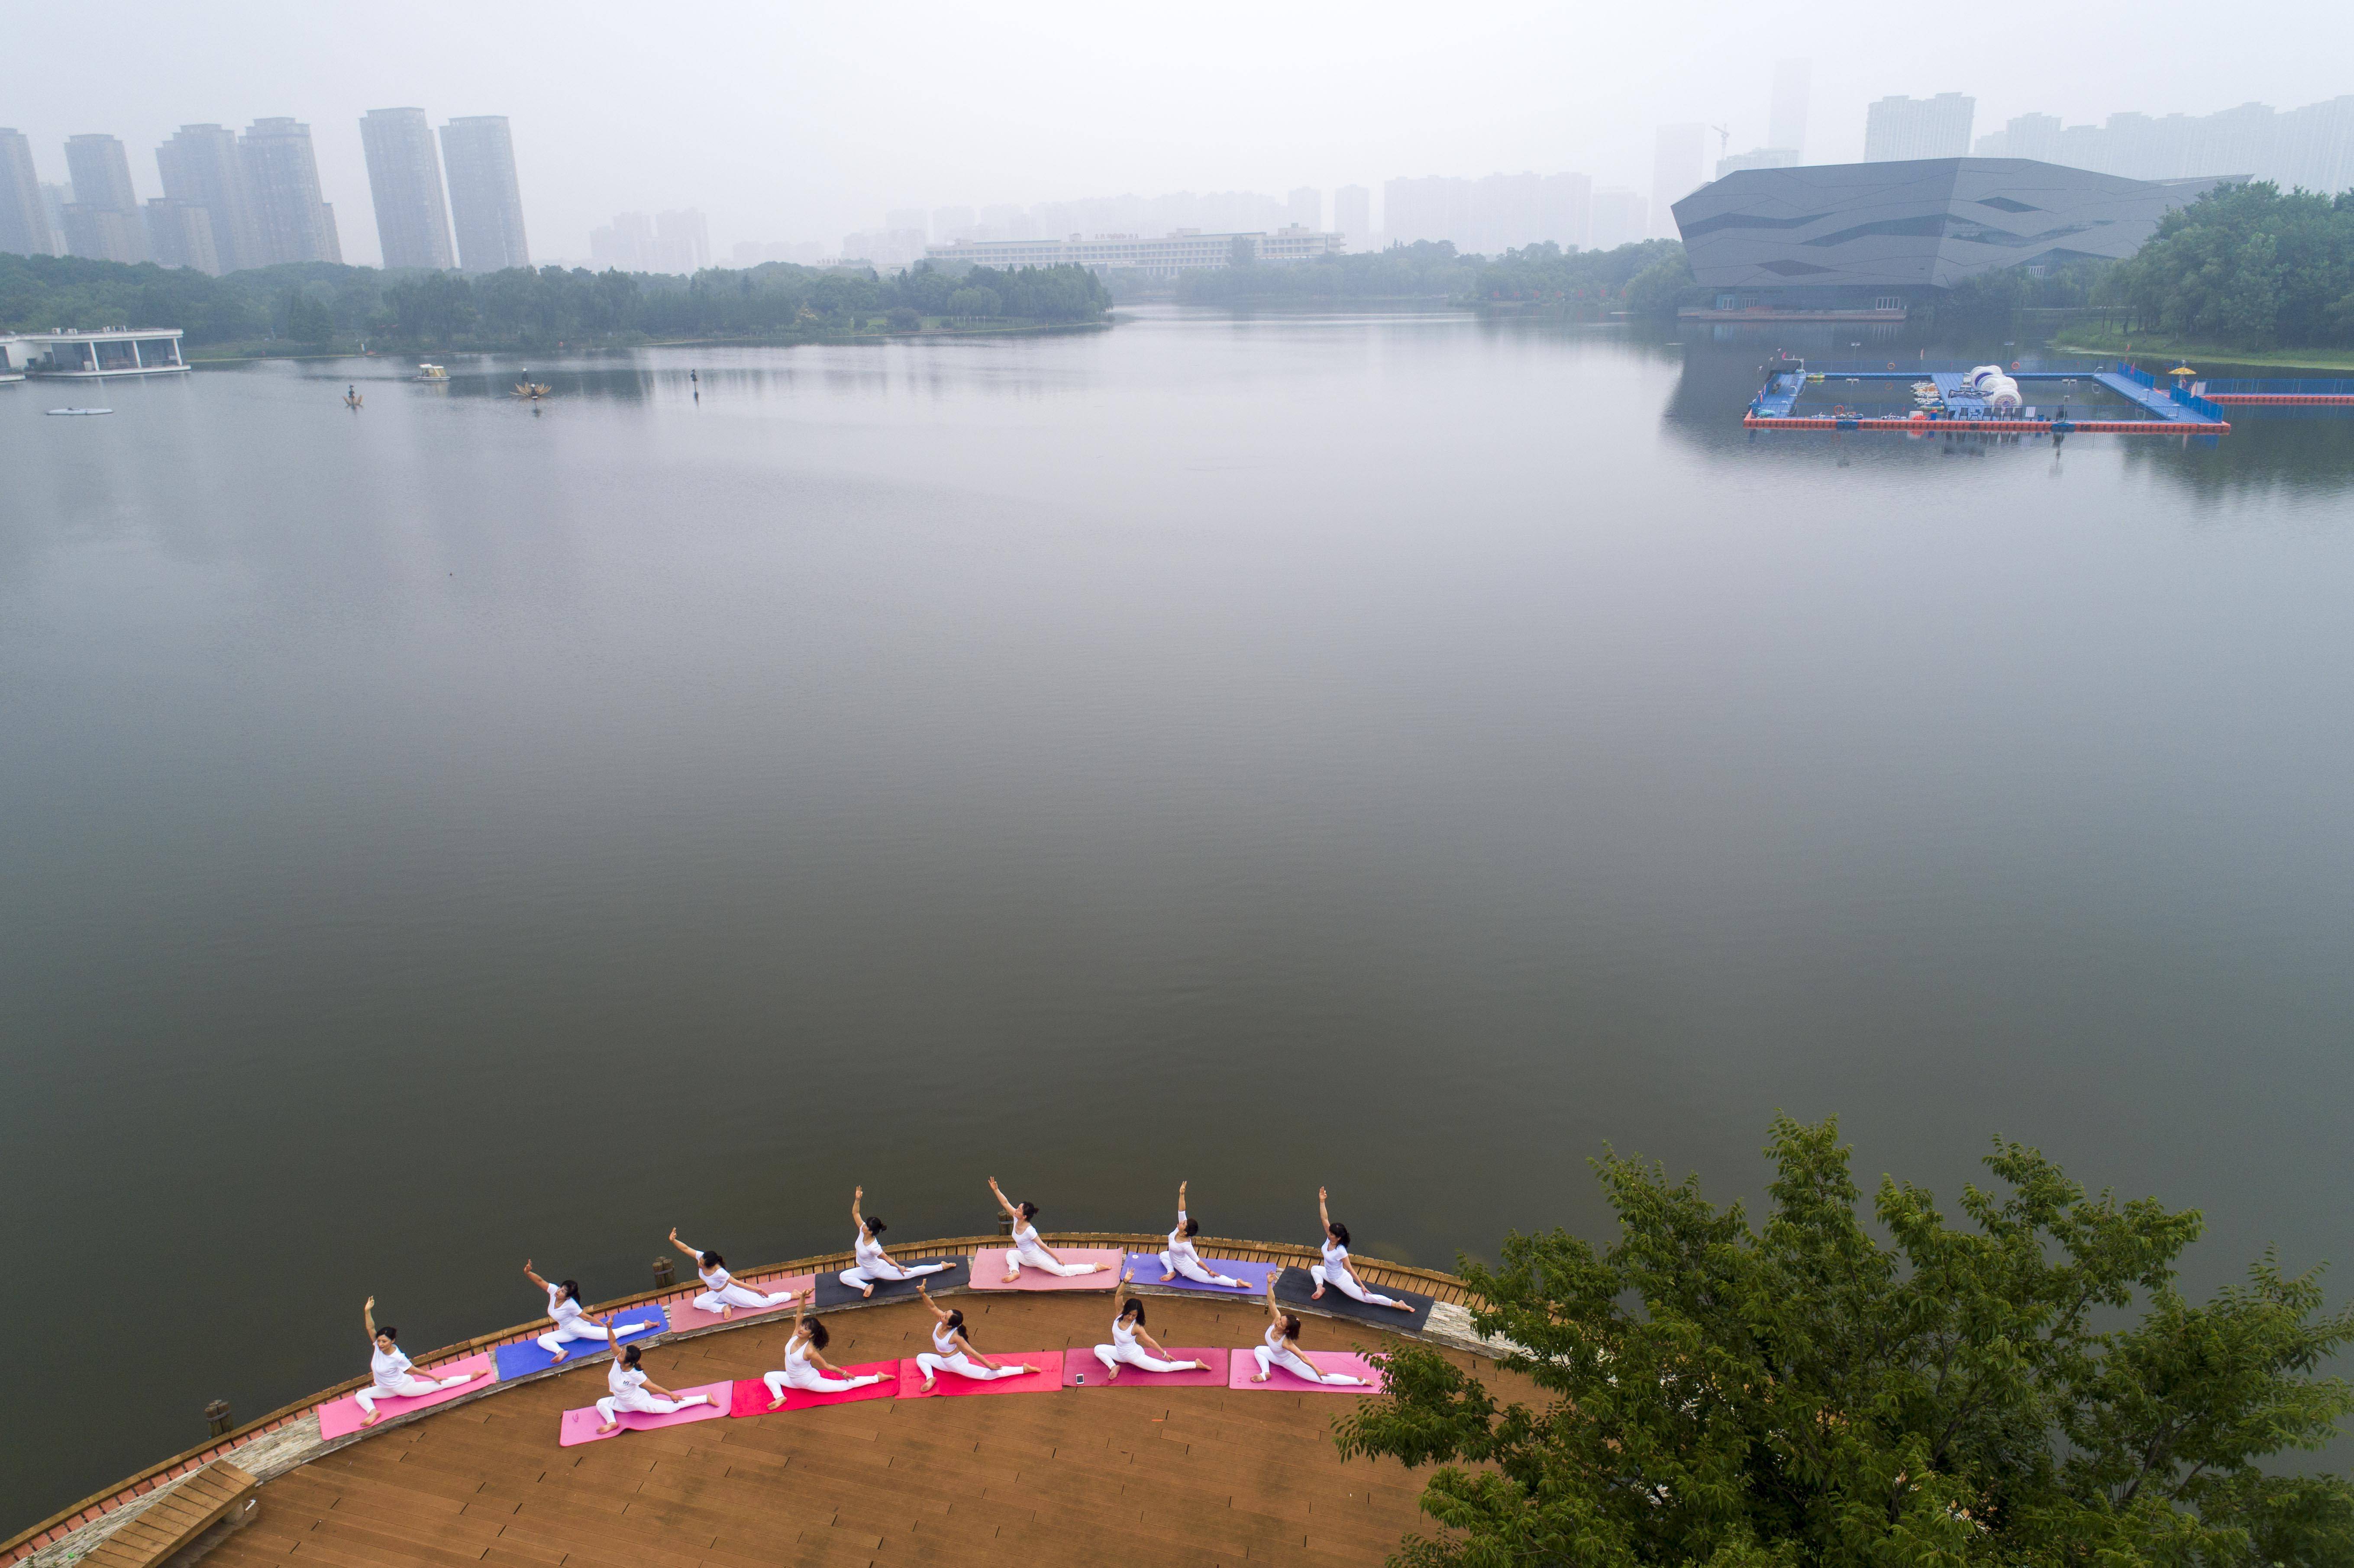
<point>952,1352</point>
<point>874,1266</point>
<point>572,1321</point>
<point>1028,1251</point>
<point>1180,1257</point>
<point>629,1391</point>
<point>1282,1349</point>
<point>1132,1346</point>
<point>1335,1271</point>
<point>721,1294</point>
<point>391,1372</point>
<point>804,1366</point>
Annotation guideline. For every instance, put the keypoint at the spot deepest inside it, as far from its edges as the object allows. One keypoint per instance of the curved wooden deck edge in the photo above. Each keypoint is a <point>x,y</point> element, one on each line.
<point>272,1445</point>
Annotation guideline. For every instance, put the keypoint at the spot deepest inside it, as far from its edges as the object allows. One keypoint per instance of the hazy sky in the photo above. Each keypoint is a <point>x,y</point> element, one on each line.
<point>805,122</point>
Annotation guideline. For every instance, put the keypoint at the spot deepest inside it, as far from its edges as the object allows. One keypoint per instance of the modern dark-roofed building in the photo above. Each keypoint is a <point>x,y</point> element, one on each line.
<point>1878,238</point>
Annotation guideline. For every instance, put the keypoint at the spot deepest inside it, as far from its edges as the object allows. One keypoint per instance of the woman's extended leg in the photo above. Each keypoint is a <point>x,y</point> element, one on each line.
<point>1346,1283</point>
<point>1016,1260</point>
<point>411,1386</point>
<point>579,1328</point>
<point>964,1366</point>
<point>1298,1367</point>
<point>817,1383</point>
<point>1194,1271</point>
<point>734,1295</point>
<point>1142,1362</point>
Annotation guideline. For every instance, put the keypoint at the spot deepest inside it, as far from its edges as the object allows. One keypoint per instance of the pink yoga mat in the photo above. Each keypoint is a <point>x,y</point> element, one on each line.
<point>911,1377</point>
<point>1280,1380</point>
<point>989,1270</point>
<point>581,1426</point>
<point>752,1395</point>
<point>1082,1368</point>
<point>686,1317</point>
<point>340,1417</point>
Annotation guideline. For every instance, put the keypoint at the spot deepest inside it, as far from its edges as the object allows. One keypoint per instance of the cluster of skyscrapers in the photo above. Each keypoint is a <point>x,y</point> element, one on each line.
<point>233,201</point>
<point>2312,147</point>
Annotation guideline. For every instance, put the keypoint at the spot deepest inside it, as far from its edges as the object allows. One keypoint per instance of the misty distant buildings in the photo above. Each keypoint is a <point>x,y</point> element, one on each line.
<point>1498,213</point>
<point>666,242</point>
<point>291,222</point>
<point>1787,118</point>
<point>24,222</point>
<point>1898,128</point>
<point>180,234</point>
<point>2312,147</point>
<point>1678,168</point>
<point>1304,208</point>
<point>1621,217</point>
<point>1352,215</point>
<point>201,166</point>
<point>412,220</point>
<point>102,221</point>
<point>485,200</point>
<point>1186,251</point>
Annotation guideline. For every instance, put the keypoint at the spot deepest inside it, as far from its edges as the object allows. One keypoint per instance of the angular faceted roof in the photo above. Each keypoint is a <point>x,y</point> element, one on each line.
<point>1927,222</point>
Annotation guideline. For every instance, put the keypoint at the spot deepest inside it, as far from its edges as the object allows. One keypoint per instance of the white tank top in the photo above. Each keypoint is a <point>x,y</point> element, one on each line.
<point>389,1366</point>
<point>560,1307</point>
<point>1025,1238</point>
<point>1336,1256</point>
<point>1122,1335</point>
<point>944,1340</point>
<point>622,1378</point>
<point>1180,1244</point>
<point>1274,1337</point>
<point>797,1354</point>
<point>717,1278</point>
<point>868,1249</point>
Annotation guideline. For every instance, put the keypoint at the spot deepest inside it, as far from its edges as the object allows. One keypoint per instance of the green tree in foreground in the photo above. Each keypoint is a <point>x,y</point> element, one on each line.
<point>1733,1396</point>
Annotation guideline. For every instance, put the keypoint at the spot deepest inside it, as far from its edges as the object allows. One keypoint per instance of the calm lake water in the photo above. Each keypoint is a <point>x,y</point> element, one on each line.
<point>1394,752</point>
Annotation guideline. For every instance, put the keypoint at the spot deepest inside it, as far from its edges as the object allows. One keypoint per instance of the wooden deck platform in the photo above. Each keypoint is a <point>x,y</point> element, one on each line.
<point>1191,1476</point>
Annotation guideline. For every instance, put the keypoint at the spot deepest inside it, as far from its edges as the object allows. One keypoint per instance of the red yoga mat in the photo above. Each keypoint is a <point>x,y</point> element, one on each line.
<point>1048,1378</point>
<point>752,1395</point>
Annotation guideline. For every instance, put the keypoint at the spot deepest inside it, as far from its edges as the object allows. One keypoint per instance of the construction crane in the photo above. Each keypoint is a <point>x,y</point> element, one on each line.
<point>1723,139</point>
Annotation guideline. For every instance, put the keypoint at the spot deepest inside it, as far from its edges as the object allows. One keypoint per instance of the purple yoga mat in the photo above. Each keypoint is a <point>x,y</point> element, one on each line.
<point>1146,1268</point>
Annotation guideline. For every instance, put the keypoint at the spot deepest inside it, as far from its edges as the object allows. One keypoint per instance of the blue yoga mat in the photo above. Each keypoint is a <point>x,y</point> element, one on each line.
<point>1146,1265</point>
<point>516,1361</point>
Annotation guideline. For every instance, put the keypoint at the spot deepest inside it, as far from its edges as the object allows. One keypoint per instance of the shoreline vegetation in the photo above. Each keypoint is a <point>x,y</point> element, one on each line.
<point>930,330</point>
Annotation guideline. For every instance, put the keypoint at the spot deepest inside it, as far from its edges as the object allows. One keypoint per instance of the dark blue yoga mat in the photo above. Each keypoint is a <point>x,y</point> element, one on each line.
<point>1146,1268</point>
<point>832,1292</point>
<point>516,1361</point>
<point>1293,1286</point>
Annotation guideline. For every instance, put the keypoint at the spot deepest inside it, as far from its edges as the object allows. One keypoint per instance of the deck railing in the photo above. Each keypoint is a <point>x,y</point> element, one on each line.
<point>1373,1270</point>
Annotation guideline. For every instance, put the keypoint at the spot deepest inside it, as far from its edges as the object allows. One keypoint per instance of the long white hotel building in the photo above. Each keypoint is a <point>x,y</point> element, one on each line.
<point>1187,249</point>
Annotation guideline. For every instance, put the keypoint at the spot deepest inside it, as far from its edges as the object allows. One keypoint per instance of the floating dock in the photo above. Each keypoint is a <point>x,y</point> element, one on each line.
<point>2171,410</point>
<point>2277,392</point>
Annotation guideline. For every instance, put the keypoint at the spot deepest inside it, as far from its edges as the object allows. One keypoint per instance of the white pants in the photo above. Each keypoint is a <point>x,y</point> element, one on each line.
<point>885,1271</point>
<point>963,1366</point>
<point>639,1402</point>
<point>1346,1284</point>
<point>1017,1260</point>
<point>1190,1268</point>
<point>814,1380</point>
<point>735,1294</point>
<point>1115,1356</point>
<point>409,1387</point>
<point>1268,1359</point>
<point>580,1328</point>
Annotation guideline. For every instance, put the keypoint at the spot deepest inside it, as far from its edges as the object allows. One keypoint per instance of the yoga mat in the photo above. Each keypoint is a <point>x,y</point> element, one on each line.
<point>517,1360</point>
<point>1279,1380</point>
<point>1048,1378</point>
<point>832,1292</point>
<point>752,1394</point>
<point>1083,1368</point>
<point>1293,1285</point>
<point>686,1317</point>
<point>1253,1276</point>
<point>340,1417</point>
<point>581,1426</point>
<point>989,1270</point>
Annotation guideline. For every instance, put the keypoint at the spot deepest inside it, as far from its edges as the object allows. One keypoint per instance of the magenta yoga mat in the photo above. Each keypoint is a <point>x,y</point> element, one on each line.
<point>340,1417</point>
<point>579,1427</point>
<point>1082,1368</point>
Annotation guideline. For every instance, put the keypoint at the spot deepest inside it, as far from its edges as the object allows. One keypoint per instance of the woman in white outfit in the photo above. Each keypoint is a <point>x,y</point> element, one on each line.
<point>392,1380</point>
<point>1180,1257</point>
<point>1028,1251</point>
<point>630,1393</point>
<point>805,1368</point>
<point>1334,1270</point>
<point>874,1266</point>
<point>1132,1346</point>
<point>721,1294</point>
<point>571,1322</point>
<point>1282,1349</point>
<point>952,1352</point>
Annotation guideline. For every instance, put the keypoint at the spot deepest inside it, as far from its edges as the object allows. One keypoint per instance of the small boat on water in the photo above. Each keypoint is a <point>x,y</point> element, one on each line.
<point>535,390</point>
<point>81,410</point>
<point>431,373</point>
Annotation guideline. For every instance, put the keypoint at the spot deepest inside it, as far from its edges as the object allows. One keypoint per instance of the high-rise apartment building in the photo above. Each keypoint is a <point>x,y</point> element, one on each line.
<point>1787,118</point>
<point>412,219</point>
<point>283,173</point>
<point>2312,147</point>
<point>1621,217</point>
<point>1678,167</point>
<point>1897,128</point>
<point>908,218</point>
<point>2035,136</point>
<point>1352,214</point>
<point>683,241</point>
<point>485,201</point>
<point>202,166</point>
<point>1305,207</point>
<point>24,225</point>
<point>1433,208</point>
<point>180,234</point>
<point>102,222</point>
